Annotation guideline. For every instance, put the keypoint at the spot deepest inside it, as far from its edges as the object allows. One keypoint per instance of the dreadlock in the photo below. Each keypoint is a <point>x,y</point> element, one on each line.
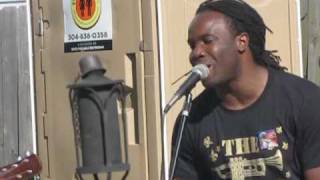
<point>246,19</point>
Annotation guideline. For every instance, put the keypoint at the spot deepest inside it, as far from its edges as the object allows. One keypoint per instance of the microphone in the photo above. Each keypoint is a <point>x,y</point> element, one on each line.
<point>198,72</point>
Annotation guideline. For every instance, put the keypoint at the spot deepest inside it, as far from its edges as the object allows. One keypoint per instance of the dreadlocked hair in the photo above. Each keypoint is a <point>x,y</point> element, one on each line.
<point>244,18</point>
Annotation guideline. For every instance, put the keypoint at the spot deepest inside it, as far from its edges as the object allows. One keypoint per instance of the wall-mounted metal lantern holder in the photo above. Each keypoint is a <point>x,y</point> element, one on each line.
<point>95,103</point>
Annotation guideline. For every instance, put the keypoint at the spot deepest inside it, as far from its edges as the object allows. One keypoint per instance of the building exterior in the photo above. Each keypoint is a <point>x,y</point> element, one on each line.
<point>149,52</point>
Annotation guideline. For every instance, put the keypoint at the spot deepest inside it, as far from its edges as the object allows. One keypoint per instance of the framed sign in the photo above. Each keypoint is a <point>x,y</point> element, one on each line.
<point>87,25</point>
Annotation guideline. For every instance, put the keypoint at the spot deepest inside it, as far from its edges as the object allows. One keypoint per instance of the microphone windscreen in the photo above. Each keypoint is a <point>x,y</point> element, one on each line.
<point>202,70</point>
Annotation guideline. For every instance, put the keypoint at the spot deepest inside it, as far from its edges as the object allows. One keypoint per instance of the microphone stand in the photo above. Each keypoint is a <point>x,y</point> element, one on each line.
<point>184,115</point>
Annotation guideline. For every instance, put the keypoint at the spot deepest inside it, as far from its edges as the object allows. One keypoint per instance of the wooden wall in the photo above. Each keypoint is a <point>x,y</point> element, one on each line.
<point>310,21</point>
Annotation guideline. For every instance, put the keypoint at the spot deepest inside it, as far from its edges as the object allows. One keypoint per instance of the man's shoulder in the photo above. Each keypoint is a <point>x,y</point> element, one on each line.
<point>294,82</point>
<point>296,87</point>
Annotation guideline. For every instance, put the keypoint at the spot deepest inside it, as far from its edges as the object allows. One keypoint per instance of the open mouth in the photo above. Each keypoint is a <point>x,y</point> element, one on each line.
<point>210,66</point>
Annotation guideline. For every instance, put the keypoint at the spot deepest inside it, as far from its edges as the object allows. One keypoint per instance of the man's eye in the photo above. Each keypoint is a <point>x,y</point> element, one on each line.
<point>208,40</point>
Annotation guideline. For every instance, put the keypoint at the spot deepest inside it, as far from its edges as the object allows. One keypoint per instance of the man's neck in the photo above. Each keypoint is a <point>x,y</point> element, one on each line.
<point>244,91</point>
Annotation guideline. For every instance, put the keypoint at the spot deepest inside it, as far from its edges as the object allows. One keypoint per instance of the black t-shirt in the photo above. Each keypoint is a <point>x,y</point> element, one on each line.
<point>277,137</point>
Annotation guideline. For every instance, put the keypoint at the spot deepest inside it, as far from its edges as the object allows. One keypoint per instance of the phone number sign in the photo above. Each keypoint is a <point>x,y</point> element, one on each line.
<point>87,25</point>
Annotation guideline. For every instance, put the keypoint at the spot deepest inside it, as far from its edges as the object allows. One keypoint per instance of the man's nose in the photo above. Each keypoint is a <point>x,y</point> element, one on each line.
<point>197,53</point>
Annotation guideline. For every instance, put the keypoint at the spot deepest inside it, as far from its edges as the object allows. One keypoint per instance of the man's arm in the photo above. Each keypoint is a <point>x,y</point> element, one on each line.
<point>312,174</point>
<point>309,135</point>
<point>184,168</point>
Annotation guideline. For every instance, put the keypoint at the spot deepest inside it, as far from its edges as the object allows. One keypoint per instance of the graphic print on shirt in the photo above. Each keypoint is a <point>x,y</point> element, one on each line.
<point>234,150</point>
<point>268,140</point>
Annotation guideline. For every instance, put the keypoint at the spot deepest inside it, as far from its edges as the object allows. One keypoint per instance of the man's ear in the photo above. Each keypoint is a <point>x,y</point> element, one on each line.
<point>243,42</point>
